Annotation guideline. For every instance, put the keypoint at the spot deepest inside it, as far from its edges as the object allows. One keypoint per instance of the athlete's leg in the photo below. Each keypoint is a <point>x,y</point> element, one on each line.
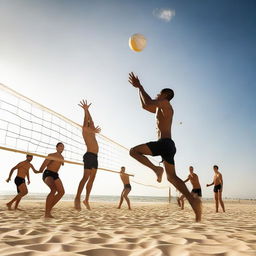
<point>139,153</point>
<point>180,185</point>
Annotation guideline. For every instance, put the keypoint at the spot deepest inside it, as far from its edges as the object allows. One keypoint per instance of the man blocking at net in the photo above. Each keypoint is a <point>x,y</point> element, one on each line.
<point>90,158</point>
<point>165,146</point>
<point>23,172</point>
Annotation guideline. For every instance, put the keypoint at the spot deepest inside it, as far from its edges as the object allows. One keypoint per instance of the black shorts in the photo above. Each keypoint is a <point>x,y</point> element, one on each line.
<point>217,188</point>
<point>197,191</point>
<point>163,147</point>
<point>48,173</point>
<point>90,160</point>
<point>127,186</point>
<point>18,181</point>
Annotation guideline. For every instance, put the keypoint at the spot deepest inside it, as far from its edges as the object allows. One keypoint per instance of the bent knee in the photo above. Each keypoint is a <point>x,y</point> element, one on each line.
<point>61,192</point>
<point>132,152</point>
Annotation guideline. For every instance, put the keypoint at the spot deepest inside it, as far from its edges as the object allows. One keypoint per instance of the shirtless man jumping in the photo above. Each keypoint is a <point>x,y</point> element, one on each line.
<point>23,171</point>
<point>52,180</point>
<point>90,157</point>
<point>127,188</point>
<point>218,186</point>
<point>193,178</point>
<point>165,146</point>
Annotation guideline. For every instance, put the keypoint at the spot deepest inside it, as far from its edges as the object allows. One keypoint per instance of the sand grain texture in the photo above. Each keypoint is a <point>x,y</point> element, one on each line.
<point>149,230</point>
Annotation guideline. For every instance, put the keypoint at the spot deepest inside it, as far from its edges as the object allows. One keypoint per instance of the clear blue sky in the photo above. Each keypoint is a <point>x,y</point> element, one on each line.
<point>56,52</point>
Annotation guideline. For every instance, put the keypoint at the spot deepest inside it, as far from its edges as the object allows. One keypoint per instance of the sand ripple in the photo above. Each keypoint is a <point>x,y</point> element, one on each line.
<point>147,230</point>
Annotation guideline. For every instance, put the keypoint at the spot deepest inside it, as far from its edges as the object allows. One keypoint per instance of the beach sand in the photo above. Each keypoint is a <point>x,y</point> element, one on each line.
<point>149,230</point>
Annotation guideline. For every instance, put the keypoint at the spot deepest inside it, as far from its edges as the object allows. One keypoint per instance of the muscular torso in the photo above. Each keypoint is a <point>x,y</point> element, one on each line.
<point>23,169</point>
<point>194,180</point>
<point>125,178</point>
<point>54,165</point>
<point>217,179</point>
<point>164,121</point>
<point>90,141</point>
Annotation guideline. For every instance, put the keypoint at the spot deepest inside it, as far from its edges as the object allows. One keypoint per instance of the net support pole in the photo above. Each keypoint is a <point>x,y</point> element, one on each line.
<point>170,197</point>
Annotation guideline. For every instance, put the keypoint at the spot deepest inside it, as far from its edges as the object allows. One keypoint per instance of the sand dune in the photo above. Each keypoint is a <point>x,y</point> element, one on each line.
<point>149,229</point>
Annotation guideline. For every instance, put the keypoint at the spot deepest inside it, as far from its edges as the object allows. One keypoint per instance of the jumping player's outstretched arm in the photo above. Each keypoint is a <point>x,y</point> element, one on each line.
<point>87,117</point>
<point>88,125</point>
<point>149,108</point>
<point>145,98</point>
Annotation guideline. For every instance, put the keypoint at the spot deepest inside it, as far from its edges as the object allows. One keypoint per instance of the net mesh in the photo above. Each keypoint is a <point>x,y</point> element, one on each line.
<point>28,127</point>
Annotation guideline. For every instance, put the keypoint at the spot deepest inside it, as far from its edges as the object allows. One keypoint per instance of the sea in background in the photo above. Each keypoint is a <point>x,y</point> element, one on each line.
<point>7,195</point>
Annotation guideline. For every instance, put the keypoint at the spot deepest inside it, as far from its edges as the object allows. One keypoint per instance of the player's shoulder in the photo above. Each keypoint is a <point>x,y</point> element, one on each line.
<point>21,163</point>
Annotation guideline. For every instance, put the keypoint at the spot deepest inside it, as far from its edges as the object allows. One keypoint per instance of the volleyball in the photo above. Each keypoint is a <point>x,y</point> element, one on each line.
<point>137,42</point>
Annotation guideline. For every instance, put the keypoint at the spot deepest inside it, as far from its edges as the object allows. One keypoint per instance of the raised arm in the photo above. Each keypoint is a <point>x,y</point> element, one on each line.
<point>87,117</point>
<point>149,108</point>
<point>145,98</point>
<point>88,125</point>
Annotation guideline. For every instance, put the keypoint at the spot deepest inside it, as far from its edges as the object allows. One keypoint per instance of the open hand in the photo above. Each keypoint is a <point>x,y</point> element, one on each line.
<point>134,80</point>
<point>97,129</point>
<point>83,104</point>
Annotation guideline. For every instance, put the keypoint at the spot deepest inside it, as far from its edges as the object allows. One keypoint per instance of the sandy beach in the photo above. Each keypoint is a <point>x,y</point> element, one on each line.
<point>149,229</point>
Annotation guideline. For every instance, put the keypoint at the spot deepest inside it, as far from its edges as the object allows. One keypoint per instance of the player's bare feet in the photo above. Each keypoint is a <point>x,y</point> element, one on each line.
<point>18,209</point>
<point>77,204</point>
<point>48,216</point>
<point>159,173</point>
<point>197,208</point>
<point>87,205</point>
<point>9,206</point>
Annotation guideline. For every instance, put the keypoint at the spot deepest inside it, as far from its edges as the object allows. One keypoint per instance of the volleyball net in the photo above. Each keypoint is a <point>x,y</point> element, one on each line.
<point>30,128</point>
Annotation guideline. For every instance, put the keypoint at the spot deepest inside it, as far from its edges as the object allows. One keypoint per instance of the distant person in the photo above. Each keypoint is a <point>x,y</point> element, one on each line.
<point>127,188</point>
<point>50,167</point>
<point>90,158</point>
<point>218,188</point>
<point>196,191</point>
<point>165,146</point>
<point>23,172</point>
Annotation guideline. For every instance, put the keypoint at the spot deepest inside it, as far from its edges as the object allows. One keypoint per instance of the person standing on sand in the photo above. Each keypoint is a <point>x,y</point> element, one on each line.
<point>196,191</point>
<point>165,146</point>
<point>23,172</point>
<point>218,188</point>
<point>51,178</point>
<point>90,158</point>
<point>127,188</point>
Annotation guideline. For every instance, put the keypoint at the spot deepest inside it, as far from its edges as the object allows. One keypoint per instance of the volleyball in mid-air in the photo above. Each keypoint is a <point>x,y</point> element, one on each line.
<point>137,42</point>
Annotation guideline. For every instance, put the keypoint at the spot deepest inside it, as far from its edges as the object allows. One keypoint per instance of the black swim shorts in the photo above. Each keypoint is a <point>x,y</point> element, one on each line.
<point>127,186</point>
<point>197,191</point>
<point>165,148</point>
<point>217,188</point>
<point>90,160</point>
<point>18,181</point>
<point>48,173</point>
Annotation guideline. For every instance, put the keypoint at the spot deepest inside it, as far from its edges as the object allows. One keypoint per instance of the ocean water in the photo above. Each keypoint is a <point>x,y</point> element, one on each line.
<point>93,198</point>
